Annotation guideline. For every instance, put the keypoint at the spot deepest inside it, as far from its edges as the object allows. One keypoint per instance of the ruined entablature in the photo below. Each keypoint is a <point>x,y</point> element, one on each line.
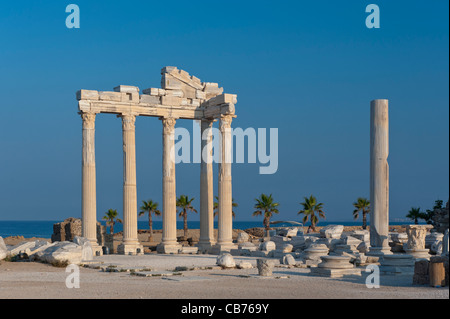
<point>181,96</point>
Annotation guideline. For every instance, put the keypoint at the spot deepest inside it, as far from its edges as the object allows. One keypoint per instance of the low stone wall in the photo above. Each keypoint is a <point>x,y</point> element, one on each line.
<point>422,270</point>
<point>72,227</point>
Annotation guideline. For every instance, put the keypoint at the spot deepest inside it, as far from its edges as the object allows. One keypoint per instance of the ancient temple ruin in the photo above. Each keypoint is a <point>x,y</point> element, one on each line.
<point>181,96</point>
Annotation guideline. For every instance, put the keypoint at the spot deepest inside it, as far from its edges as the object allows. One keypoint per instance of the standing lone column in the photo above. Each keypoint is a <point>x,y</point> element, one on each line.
<point>379,178</point>
<point>169,242</point>
<point>225,226</point>
<point>130,244</point>
<point>206,240</point>
<point>88,188</point>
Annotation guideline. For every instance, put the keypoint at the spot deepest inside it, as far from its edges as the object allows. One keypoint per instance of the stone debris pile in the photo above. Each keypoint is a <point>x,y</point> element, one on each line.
<point>57,253</point>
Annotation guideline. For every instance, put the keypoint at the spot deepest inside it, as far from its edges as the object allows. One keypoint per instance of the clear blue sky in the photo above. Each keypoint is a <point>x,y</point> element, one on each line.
<point>308,68</point>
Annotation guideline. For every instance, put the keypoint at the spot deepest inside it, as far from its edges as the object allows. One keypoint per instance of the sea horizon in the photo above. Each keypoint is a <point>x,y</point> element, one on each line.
<point>44,228</point>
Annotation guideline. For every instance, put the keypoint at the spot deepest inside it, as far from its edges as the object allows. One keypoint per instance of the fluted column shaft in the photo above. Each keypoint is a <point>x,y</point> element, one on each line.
<point>225,225</point>
<point>129,180</point>
<point>169,235</point>
<point>379,177</point>
<point>206,186</point>
<point>88,192</point>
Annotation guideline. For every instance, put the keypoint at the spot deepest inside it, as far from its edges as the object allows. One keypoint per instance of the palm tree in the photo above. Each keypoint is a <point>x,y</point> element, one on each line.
<point>184,203</point>
<point>265,206</point>
<point>150,207</point>
<point>414,214</point>
<point>216,207</point>
<point>362,205</point>
<point>111,219</point>
<point>310,208</point>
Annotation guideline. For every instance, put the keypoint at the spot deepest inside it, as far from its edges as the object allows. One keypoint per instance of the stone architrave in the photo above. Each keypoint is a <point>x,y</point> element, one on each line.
<point>416,241</point>
<point>169,242</point>
<point>379,178</point>
<point>88,192</point>
<point>130,244</point>
<point>206,240</point>
<point>225,224</point>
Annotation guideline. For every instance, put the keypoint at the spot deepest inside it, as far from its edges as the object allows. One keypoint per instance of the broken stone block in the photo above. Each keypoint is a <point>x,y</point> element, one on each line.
<point>226,261</point>
<point>178,93</point>
<point>168,82</point>
<point>265,267</point>
<point>171,100</point>
<point>287,248</point>
<point>225,99</point>
<point>87,95</point>
<point>288,260</point>
<point>332,231</point>
<point>200,95</point>
<point>268,246</point>
<point>130,97</point>
<point>168,69</point>
<point>244,265</point>
<point>242,237</point>
<point>110,96</point>
<point>151,99</point>
<point>126,89</point>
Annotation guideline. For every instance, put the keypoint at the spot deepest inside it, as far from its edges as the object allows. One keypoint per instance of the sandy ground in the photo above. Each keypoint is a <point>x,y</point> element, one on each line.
<point>35,280</point>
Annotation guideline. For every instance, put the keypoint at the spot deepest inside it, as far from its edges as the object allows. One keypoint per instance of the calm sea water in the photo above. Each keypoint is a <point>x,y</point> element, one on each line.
<point>44,229</point>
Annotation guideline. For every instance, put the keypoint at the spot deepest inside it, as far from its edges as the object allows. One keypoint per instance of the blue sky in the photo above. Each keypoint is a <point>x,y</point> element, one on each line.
<point>308,68</point>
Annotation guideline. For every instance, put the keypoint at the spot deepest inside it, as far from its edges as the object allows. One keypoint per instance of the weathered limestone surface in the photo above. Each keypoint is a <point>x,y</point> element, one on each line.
<point>288,260</point>
<point>207,239</point>
<point>169,242</point>
<point>397,264</point>
<point>379,178</point>
<point>66,252</point>
<point>335,267</point>
<point>3,249</point>
<point>130,244</point>
<point>265,267</point>
<point>225,221</point>
<point>242,237</point>
<point>416,240</point>
<point>332,231</point>
<point>226,261</point>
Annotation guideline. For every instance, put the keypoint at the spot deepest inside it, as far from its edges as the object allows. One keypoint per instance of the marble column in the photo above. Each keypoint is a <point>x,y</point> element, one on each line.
<point>169,242</point>
<point>379,178</point>
<point>225,225</point>
<point>88,188</point>
<point>206,240</point>
<point>130,244</point>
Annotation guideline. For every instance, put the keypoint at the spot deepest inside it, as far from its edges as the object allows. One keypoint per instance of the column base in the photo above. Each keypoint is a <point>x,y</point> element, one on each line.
<point>97,250</point>
<point>218,248</point>
<point>168,248</point>
<point>130,249</point>
<point>205,247</point>
<point>379,251</point>
<point>419,253</point>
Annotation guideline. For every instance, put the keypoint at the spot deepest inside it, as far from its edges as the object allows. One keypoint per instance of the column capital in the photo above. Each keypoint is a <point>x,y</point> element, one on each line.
<point>88,119</point>
<point>225,122</point>
<point>128,121</point>
<point>168,124</point>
